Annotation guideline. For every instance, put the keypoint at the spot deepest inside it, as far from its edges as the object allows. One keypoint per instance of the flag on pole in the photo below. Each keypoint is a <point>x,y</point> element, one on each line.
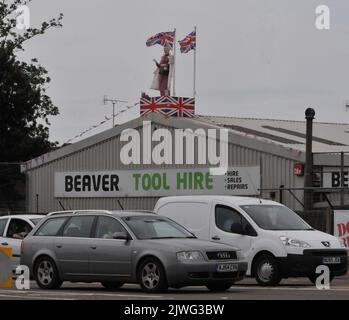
<point>188,43</point>
<point>165,39</point>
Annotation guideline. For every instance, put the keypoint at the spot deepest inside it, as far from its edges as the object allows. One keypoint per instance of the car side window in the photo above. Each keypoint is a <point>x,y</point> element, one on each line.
<point>79,227</point>
<point>108,228</point>
<point>51,227</point>
<point>225,216</point>
<point>18,229</point>
<point>3,223</point>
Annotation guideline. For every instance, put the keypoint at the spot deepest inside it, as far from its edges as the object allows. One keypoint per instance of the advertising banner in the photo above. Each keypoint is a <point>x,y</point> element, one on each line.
<point>341,226</point>
<point>154,183</point>
<point>332,177</point>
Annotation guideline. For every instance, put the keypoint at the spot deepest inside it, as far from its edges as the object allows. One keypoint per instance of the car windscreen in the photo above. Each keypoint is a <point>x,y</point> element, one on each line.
<point>35,220</point>
<point>273,217</point>
<point>156,228</point>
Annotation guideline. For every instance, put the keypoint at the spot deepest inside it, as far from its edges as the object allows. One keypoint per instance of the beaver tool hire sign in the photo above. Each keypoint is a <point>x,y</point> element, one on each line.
<point>341,226</point>
<point>155,183</point>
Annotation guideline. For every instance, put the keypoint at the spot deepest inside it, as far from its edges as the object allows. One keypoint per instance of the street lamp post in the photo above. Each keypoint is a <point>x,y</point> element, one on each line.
<point>308,174</point>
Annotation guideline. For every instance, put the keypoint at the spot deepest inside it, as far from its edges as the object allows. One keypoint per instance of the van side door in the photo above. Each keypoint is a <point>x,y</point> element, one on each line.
<point>223,218</point>
<point>195,216</point>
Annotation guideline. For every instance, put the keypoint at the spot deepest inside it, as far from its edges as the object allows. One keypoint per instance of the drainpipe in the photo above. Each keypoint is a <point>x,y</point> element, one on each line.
<point>37,203</point>
<point>308,170</point>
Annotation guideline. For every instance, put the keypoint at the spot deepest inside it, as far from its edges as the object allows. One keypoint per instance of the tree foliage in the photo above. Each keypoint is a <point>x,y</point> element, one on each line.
<point>25,105</point>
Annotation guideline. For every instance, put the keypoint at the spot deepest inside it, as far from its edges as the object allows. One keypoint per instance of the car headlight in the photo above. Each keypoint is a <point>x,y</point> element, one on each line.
<point>189,256</point>
<point>294,242</point>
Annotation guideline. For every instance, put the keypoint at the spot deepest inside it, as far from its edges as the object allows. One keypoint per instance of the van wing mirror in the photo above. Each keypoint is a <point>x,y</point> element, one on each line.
<point>250,231</point>
<point>237,228</point>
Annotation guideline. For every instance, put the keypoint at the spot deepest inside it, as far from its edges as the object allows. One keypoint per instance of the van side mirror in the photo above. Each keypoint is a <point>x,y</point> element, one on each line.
<point>121,236</point>
<point>237,228</point>
<point>250,231</point>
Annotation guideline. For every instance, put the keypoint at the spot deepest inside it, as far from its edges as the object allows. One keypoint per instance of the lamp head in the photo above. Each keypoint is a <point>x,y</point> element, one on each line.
<point>309,113</point>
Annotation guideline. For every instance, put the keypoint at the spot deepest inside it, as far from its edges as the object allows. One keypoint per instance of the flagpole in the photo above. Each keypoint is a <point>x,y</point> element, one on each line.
<point>174,62</point>
<point>194,71</point>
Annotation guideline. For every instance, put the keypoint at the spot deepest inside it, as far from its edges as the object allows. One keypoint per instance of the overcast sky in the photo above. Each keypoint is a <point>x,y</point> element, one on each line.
<point>255,58</point>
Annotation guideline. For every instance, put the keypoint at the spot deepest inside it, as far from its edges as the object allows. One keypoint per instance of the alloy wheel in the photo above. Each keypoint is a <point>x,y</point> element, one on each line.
<point>150,275</point>
<point>45,272</point>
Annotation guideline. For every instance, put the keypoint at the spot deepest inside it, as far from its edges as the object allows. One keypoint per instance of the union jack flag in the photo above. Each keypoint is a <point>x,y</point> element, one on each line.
<point>168,106</point>
<point>188,43</point>
<point>165,39</point>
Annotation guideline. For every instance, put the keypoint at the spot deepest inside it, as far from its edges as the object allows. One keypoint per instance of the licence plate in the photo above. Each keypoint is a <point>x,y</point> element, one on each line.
<point>331,260</point>
<point>227,267</point>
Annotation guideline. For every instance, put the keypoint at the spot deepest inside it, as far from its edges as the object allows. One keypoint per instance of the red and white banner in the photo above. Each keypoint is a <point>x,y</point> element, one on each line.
<point>341,226</point>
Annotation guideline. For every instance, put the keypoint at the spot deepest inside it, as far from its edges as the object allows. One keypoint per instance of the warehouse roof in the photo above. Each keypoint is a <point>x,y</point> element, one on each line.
<point>279,137</point>
<point>327,137</point>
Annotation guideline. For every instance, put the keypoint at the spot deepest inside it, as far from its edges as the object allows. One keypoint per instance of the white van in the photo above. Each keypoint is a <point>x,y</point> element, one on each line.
<point>276,242</point>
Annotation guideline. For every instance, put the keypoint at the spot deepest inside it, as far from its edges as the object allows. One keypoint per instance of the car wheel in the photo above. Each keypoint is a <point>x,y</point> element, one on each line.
<point>219,287</point>
<point>112,285</point>
<point>151,276</point>
<point>46,274</point>
<point>313,278</point>
<point>267,271</point>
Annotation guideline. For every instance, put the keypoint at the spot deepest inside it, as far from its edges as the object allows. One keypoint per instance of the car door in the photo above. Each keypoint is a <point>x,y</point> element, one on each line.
<point>73,244</point>
<point>223,217</point>
<point>3,225</point>
<point>13,237</point>
<point>109,256</point>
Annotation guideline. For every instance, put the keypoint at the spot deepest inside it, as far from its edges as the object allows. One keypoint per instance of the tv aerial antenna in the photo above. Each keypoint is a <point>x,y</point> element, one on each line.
<point>113,101</point>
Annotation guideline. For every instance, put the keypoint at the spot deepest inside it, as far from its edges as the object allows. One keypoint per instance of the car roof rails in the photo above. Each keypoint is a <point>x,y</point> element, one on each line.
<point>99,211</point>
<point>141,211</point>
<point>78,211</point>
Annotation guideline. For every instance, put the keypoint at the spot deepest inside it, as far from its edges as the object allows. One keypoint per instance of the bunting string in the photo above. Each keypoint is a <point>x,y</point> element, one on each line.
<point>106,119</point>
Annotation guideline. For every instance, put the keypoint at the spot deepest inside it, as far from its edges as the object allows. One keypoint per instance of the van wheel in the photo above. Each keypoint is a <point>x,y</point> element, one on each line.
<point>266,270</point>
<point>112,285</point>
<point>46,274</point>
<point>151,276</point>
<point>219,287</point>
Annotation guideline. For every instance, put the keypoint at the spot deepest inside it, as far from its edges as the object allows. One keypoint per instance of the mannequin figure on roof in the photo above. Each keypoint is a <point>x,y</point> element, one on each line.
<point>163,73</point>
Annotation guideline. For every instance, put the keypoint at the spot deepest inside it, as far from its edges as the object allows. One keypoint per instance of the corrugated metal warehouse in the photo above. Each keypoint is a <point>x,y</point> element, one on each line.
<point>264,151</point>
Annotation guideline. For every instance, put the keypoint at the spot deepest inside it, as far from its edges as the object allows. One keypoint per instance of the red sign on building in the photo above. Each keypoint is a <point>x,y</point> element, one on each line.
<point>298,169</point>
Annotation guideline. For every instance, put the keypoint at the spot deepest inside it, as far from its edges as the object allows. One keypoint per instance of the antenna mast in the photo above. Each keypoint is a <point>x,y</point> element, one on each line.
<point>114,102</point>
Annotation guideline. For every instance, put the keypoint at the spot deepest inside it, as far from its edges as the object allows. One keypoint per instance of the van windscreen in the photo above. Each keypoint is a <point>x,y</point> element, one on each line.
<point>273,217</point>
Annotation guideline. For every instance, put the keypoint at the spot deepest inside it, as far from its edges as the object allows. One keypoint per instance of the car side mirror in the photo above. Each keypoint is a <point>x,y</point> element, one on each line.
<point>237,228</point>
<point>121,236</point>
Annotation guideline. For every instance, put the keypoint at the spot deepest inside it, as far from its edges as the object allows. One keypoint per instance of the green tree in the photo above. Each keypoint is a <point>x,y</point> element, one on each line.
<point>25,106</point>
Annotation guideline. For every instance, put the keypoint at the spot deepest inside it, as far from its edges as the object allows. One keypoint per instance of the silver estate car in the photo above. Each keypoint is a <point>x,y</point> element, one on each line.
<point>117,247</point>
